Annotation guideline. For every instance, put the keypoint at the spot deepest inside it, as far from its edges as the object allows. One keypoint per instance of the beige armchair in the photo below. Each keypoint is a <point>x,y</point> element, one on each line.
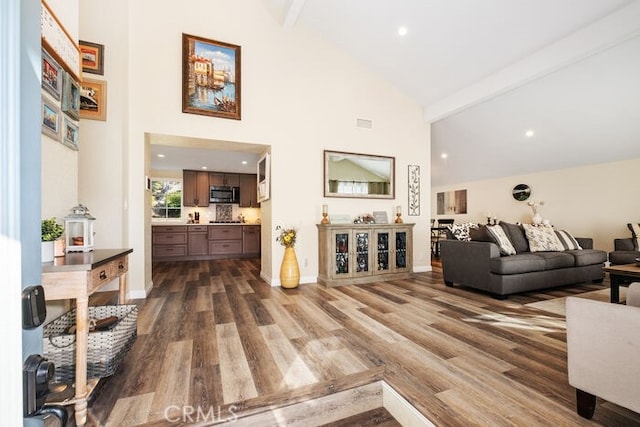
<point>603,350</point>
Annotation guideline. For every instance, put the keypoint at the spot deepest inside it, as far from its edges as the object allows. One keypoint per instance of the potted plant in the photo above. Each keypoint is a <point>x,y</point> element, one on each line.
<point>50,232</point>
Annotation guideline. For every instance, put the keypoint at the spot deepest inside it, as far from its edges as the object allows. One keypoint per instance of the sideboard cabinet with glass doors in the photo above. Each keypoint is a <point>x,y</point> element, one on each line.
<point>364,253</point>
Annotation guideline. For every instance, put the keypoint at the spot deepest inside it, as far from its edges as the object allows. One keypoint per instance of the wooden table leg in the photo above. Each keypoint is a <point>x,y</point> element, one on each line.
<point>122,294</point>
<point>82,333</point>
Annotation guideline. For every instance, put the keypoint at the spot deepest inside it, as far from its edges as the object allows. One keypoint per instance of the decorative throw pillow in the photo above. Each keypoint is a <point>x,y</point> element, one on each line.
<point>461,231</point>
<point>497,232</point>
<point>542,238</point>
<point>567,240</point>
<point>635,233</point>
<point>481,234</point>
<point>516,235</point>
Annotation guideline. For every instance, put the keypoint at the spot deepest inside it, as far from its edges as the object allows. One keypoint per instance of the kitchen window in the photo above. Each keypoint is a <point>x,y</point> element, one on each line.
<point>166,198</point>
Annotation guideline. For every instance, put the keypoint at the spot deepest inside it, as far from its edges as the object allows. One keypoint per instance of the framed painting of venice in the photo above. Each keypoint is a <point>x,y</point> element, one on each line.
<point>210,77</point>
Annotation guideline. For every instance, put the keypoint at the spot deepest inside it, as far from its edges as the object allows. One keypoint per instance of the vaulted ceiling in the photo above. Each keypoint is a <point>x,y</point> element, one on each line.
<point>488,71</point>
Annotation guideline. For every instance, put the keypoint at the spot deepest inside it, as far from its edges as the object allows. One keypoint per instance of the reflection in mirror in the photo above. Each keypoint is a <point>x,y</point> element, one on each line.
<point>358,175</point>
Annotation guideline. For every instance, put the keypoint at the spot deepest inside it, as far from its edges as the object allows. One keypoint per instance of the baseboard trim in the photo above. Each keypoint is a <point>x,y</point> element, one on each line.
<point>422,268</point>
<point>276,280</point>
<point>401,409</point>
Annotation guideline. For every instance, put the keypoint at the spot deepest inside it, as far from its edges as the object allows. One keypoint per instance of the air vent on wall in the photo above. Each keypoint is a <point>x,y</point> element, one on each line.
<point>364,123</point>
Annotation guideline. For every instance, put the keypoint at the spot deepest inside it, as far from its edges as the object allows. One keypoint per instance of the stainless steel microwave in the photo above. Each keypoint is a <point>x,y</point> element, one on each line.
<point>224,194</point>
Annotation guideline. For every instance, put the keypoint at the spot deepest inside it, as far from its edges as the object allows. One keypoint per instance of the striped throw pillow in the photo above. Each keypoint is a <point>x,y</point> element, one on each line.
<point>497,232</point>
<point>567,240</point>
<point>635,233</point>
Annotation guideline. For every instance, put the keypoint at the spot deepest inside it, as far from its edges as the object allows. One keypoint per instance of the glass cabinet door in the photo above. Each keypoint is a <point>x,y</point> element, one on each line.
<point>401,250</point>
<point>382,252</point>
<point>341,253</point>
<point>362,252</point>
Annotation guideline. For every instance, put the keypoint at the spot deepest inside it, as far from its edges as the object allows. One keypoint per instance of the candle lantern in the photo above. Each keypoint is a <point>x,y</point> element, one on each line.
<point>78,227</point>
<point>398,214</point>
<point>325,212</point>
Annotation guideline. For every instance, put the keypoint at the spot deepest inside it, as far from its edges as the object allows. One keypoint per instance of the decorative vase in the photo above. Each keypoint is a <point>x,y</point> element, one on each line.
<point>537,219</point>
<point>289,270</point>
<point>46,251</point>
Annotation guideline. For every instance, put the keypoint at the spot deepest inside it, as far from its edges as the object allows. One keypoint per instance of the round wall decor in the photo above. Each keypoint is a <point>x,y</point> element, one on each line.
<point>521,192</point>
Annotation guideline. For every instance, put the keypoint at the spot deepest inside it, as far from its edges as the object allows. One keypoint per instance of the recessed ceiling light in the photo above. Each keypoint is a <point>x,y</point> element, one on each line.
<point>528,133</point>
<point>161,156</point>
<point>402,31</point>
<point>444,155</point>
<point>203,167</point>
<point>244,162</point>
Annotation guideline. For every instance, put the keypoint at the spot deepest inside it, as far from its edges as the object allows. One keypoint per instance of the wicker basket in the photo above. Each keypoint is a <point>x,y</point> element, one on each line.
<point>105,349</point>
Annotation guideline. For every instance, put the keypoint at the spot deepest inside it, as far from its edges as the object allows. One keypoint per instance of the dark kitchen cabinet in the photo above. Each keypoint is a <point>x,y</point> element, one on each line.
<point>248,191</point>
<point>225,240</point>
<point>169,241</point>
<point>250,239</point>
<point>195,188</point>
<point>224,179</point>
<point>198,240</point>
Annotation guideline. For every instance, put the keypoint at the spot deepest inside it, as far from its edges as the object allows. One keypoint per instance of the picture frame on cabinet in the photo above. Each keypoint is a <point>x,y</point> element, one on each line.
<point>52,75</point>
<point>71,134</point>
<point>93,99</point>
<point>51,119</point>
<point>92,55</point>
<point>211,80</point>
<point>71,97</point>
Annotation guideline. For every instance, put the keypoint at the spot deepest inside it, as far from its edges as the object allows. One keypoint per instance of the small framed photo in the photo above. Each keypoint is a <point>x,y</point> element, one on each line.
<point>210,77</point>
<point>71,134</point>
<point>92,55</point>
<point>71,97</point>
<point>51,75</point>
<point>93,99</point>
<point>51,119</point>
<point>380,217</point>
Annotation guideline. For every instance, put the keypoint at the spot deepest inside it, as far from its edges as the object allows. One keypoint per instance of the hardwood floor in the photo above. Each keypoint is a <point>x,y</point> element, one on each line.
<point>215,341</point>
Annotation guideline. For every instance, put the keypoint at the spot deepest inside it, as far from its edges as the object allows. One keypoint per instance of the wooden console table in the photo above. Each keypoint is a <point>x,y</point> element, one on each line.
<point>76,276</point>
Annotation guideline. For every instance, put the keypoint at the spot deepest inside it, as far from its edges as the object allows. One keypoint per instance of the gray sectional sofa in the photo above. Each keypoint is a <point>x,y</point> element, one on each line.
<point>480,265</point>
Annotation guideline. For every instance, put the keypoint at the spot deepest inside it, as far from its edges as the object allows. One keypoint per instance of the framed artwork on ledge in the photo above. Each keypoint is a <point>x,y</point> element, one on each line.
<point>92,57</point>
<point>93,99</point>
<point>71,134</point>
<point>71,97</point>
<point>52,75</point>
<point>210,77</point>
<point>51,119</point>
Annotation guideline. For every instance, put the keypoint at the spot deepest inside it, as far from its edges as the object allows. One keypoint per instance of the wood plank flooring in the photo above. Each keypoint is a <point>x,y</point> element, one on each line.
<point>215,342</point>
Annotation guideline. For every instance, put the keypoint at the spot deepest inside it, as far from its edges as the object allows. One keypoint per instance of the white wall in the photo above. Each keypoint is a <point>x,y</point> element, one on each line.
<point>590,201</point>
<point>299,96</point>
<point>102,158</point>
